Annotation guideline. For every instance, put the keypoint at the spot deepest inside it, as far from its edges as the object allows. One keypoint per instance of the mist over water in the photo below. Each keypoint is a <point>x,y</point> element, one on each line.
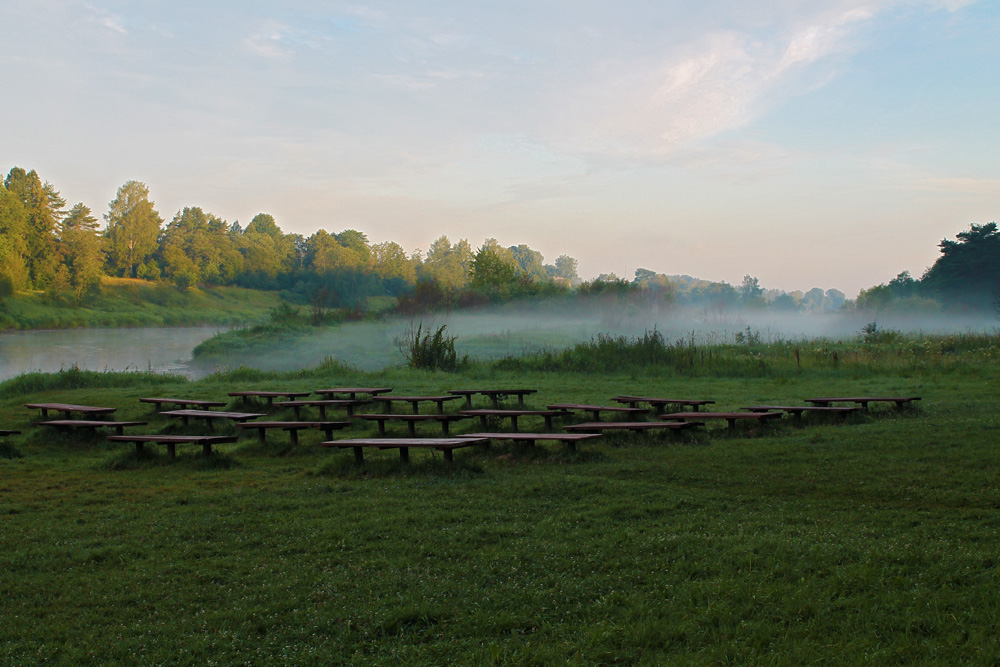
<point>506,331</point>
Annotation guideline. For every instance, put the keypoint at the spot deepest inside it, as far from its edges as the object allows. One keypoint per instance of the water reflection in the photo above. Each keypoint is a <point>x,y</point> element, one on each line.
<point>164,350</point>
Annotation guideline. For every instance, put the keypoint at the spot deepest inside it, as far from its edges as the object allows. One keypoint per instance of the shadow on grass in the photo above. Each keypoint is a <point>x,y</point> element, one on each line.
<point>436,466</point>
<point>129,459</point>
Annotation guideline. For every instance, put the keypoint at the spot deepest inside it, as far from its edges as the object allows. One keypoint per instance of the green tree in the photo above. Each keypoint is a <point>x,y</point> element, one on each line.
<point>448,264</point>
<point>13,245</point>
<point>266,249</point>
<point>43,208</point>
<point>82,250</point>
<point>493,268</point>
<point>390,261</point>
<point>967,274</point>
<point>529,263</point>
<point>566,268</point>
<point>133,228</point>
<point>197,247</point>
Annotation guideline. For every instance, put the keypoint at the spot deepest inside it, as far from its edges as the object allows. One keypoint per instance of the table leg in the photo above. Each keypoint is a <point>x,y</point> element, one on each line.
<point>138,449</point>
<point>171,450</point>
<point>322,412</point>
<point>448,455</point>
<point>381,427</point>
<point>411,428</point>
<point>445,429</point>
<point>416,407</point>
<point>261,438</point>
<point>513,422</point>
<point>206,449</point>
<point>359,455</point>
<point>293,434</point>
<point>548,423</point>
<point>404,454</point>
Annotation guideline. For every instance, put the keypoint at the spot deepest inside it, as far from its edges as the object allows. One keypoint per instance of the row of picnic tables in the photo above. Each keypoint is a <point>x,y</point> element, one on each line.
<point>573,433</point>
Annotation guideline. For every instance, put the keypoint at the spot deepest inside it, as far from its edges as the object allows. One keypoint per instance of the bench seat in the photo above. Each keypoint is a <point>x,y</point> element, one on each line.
<point>513,415</point>
<point>322,404</point>
<point>596,410</point>
<point>445,445</point>
<point>597,427</point>
<point>654,403</point>
<point>411,421</point>
<point>67,409</point>
<point>797,410</point>
<point>863,401</point>
<point>171,441</point>
<point>92,425</point>
<point>293,428</point>
<point>184,402</point>
<point>570,439</point>
<point>730,417</point>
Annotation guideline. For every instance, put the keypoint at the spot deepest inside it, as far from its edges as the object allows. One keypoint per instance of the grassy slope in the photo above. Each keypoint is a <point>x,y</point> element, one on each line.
<point>872,541</point>
<point>131,303</point>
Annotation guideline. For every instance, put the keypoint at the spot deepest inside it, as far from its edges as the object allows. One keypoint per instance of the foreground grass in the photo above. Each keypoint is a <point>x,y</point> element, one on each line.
<point>870,541</point>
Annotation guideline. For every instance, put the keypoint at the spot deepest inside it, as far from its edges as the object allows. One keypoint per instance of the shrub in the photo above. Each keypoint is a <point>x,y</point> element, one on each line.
<point>422,349</point>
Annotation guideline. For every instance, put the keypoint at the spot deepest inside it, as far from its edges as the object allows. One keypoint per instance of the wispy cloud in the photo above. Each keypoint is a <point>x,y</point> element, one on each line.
<point>107,19</point>
<point>268,41</point>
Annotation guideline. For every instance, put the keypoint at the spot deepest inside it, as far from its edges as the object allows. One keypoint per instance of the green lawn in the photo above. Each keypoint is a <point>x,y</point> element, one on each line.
<point>872,541</point>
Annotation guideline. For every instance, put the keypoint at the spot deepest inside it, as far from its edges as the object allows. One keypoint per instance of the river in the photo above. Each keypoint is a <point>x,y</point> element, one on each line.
<point>164,350</point>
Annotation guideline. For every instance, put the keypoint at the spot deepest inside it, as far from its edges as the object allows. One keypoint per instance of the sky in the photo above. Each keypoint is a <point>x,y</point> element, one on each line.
<point>809,143</point>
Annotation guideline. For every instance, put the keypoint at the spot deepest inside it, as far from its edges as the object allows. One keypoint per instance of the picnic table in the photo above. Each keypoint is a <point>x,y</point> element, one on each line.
<point>411,421</point>
<point>594,410</point>
<point>353,392</point>
<point>322,404</point>
<point>210,415</point>
<point>730,417</point>
<point>495,395</point>
<point>570,439</point>
<point>269,395</point>
<point>656,403</point>
<point>171,441</point>
<point>513,415</point>
<point>444,445</point>
<point>293,428</point>
<point>415,401</point>
<point>797,410</point>
<point>863,401</point>
<point>184,402</point>
<point>599,427</point>
<point>67,409</point>
<point>92,425</point>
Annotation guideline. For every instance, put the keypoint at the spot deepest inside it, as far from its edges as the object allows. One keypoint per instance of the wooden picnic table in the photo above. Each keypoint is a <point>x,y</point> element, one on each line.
<point>513,415</point>
<point>495,395</point>
<point>730,417</point>
<point>570,439</point>
<point>270,395</point>
<point>595,410</point>
<point>92,425</point>
<point>322,404</point>
<point>656,403</point>
<point>415,401</point>
<point>599,427</point>
<point>797,410</point>
<point>863,401</point>
<point>444,445</point>
<point>353,392</point>
<point>210,415</point>
<point>411,421</point>
<point>171,441</point>
<point>293,428</point>
<point>184,402</point>
<point>67,409</point>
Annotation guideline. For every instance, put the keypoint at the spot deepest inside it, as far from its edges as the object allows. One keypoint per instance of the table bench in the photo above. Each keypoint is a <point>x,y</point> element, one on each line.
<point>599,427</point>
<point>210,415</point>
<point>411,421</point>
<point>293,428</point>
<point>863,401</point>
<point>656,403</point>
<point>595,410</point>
<point>269,396</point>
<point>797,410</point>
<point>171,441</point>
<point>730,417</point>
<point>415,401</point>
<point>495,395</point>
<point>322,404</point>
<point>353,392</point>
<point>92,425</point>
<point>184,402</point>
<point>445,445</point>
<point>570,439</point>
<point>513,415</point>
<point>67,409</point>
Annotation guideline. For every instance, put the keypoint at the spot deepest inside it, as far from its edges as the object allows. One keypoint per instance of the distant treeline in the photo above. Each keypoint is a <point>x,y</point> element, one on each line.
<point>66,253</point>
<point>964,278</point>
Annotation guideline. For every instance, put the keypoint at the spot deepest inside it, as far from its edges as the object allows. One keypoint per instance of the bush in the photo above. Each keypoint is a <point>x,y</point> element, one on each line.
<point>425,350</point>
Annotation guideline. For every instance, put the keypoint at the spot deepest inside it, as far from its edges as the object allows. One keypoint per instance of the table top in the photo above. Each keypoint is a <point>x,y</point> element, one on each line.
<point>270,394</point>
<point>182,401</point>
<point>394,397</point>
<point>212,414</point>
<point>721,415</point>
<point>354,390</point>
<point>68,407</point>
<point>415,418</point>
<point>405,442</point>
<point>534,436</point>
<point>491,392</point>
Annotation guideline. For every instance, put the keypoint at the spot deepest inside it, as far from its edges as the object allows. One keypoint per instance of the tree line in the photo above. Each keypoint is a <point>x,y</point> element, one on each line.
<point>44,246</point>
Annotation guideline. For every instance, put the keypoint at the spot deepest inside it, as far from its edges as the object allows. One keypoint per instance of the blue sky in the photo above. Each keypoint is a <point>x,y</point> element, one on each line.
<point>822,144</point>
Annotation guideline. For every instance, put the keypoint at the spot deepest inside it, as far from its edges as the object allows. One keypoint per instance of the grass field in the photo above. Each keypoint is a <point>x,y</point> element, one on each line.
<point>871,541</point>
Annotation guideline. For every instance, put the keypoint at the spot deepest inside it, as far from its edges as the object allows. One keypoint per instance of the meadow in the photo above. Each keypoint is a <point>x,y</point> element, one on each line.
<point>867,541</point>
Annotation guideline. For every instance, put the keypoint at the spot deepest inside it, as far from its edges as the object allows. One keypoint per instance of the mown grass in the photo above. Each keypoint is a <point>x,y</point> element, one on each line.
<point>873,541</point>
<point>137,303</point>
